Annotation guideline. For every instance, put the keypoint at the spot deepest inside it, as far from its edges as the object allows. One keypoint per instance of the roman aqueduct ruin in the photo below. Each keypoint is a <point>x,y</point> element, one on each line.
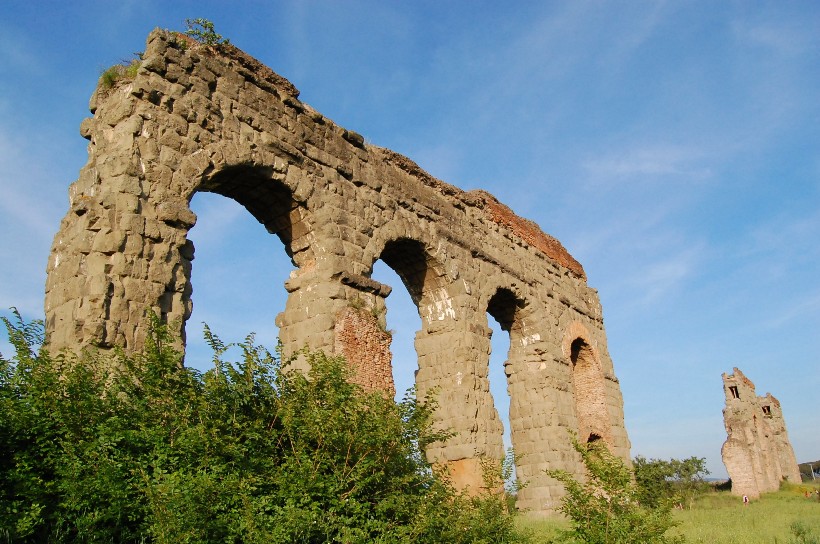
<point>195,118</point>
<point>757,453</point>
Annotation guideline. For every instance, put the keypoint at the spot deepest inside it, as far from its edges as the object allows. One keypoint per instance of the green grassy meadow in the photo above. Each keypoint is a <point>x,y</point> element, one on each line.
<point>721,518</point>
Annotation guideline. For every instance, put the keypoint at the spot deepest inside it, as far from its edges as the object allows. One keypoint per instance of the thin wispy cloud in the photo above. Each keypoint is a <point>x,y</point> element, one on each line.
<point>16,52</point>
<point>658,280</point>
<point>788,38</point>
<point>806,306</point>
<point>24,205</point>
<point>784,237</point>
<point>626,230</point>
<point>648,163</point>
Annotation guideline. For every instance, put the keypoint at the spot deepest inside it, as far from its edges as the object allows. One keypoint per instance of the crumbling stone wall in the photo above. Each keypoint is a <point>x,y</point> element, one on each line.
<point>199,119</point>
<point>757,452</point>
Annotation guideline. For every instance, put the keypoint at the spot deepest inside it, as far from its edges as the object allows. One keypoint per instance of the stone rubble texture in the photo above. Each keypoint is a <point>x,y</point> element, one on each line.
<point>757,453</point>
<point>198,118</point>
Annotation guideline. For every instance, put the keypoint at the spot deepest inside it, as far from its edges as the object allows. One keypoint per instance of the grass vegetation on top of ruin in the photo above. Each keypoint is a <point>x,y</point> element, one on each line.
<point>199,29</point>
<point>202,30</point>
<point>126,70</point>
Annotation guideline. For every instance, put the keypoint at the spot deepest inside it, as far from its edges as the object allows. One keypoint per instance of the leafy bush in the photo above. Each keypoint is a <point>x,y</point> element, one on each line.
<point>605,508</point>
<point>202,30</point>
<point>107,447</point>
<point>679,481</point>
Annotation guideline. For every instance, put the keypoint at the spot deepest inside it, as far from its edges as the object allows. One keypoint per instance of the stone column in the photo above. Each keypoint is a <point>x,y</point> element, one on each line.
<point>309,318</point>
<point>121,248</point>
<point>453,356</point>
<point>540,417</point>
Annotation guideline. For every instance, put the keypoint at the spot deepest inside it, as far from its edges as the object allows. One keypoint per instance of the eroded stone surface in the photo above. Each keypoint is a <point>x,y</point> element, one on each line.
<point>197,119</point>
<point>757,453</point>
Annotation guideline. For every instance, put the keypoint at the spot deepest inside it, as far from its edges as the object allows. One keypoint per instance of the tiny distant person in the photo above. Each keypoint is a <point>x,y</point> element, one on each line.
<point>745,500</point>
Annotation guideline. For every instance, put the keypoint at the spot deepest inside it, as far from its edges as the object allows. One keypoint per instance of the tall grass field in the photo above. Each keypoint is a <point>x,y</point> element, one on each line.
<point>721,518</point>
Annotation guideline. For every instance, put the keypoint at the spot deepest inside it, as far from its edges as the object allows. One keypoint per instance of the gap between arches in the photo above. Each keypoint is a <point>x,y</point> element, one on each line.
<point>238,276</point>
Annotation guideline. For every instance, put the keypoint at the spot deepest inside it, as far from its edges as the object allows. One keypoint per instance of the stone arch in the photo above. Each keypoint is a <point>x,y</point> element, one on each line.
<point>404,247</point>
<point>421,273</point>
<point>504,305</point>
<point>269,201</point>
<point>534,409</point>
<point>360,331</point>
<point>508,303</point>
<point>588,384</point>
<point>449,352</point>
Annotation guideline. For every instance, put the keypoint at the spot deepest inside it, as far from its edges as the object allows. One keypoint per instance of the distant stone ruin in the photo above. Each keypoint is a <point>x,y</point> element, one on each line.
<point>198,118</point>
<point>757,452</point>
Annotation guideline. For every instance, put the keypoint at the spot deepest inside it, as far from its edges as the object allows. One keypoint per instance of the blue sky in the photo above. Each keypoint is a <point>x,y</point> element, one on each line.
<point>672,147</point>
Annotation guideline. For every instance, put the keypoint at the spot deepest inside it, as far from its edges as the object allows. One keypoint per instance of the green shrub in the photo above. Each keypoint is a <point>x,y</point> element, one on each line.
<point>202,30</point>
<point>606,508</point>
<point>107,447</point>
<point>679,481</point>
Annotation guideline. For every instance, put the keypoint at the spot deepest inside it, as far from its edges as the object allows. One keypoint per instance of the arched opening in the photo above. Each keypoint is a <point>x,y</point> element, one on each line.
<point>590,398</point>
<point>239,272</point>
<point>402,322</point>
<point>497,374</point>
<point>269,201</point>
<point>405,261</point>
<point>502,320</point>
<point>411,263</point>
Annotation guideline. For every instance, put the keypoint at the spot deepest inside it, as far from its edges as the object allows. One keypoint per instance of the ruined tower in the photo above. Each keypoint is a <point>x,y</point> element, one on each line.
<point>757,452</point>
<point>198,118</point>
